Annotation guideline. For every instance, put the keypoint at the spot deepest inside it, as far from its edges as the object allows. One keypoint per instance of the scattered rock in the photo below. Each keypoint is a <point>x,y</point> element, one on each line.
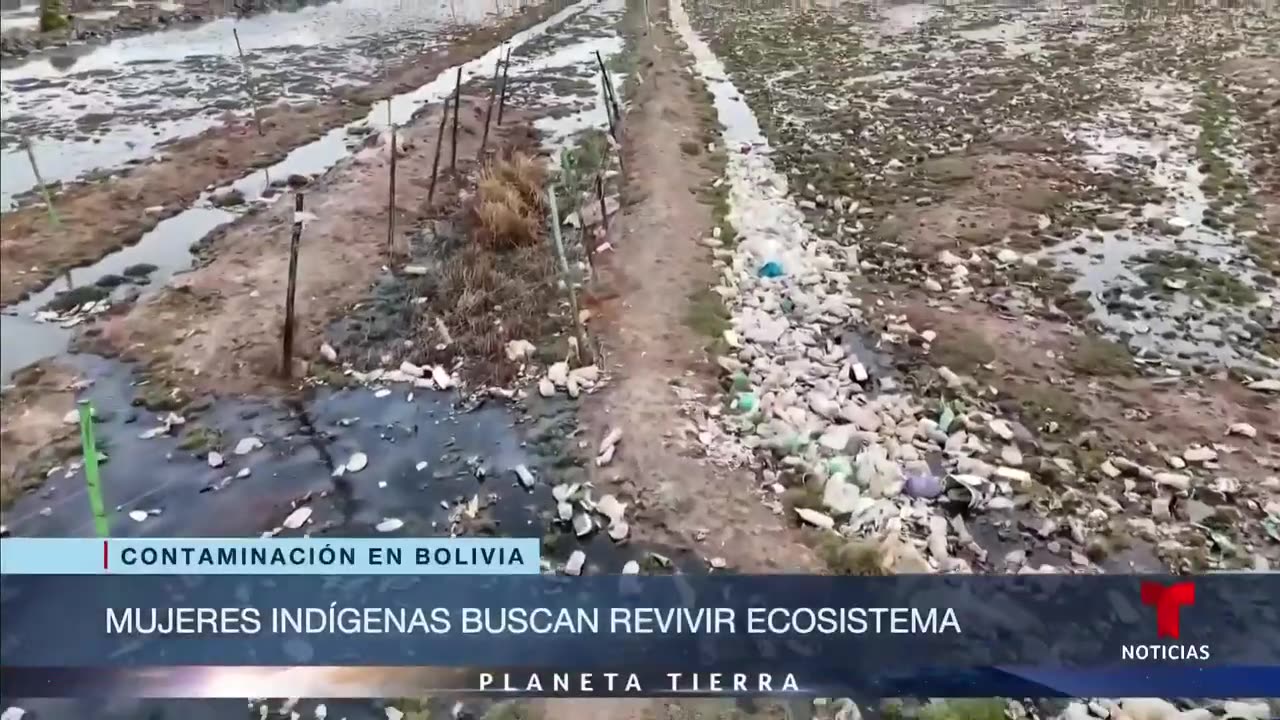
<point>577,559</point>
<point>298,517</point>
<point>389,525</point>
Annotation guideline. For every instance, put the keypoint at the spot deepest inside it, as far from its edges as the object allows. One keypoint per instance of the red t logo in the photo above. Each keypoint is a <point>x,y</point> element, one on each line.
<point>1168,602</point>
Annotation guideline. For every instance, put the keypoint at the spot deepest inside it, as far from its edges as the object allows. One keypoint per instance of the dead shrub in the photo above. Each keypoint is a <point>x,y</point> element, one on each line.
<point>508,202</point>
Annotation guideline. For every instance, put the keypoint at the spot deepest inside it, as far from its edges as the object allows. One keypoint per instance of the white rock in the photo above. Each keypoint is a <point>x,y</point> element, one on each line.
<point>618,531</point>
<point>1007,256</point>
<point>389,525</point>
<point>420,465</point>
<point>357,462</point>
<point>1149,709</point>
<point>243,473</point>
<point>525,476</point>
<point>322,712</point>
<point>1269,385</point>
<point>247,445</point>
<point>1200,454</point>
<point>606,457</point>
<point>950,259</point>
<point>583,524</point>
<point>409,368</point>
<point>1001,428</point>
<point>815,518</point>
<point>836,437</point>
<point>1246,710</point>
<point>13,713</point>
<point>631,568</point>
<point>138,515</point>
<point>1177,481</point>
<point>1013,474</point>
<point>441,378</point>
<point>950,377</point>
<point>71,418</point>
<point>297,517</point>
<point>328,353</point>
<point>558,373</point>
<point>610,507</point>
<point>415,269</point>
<point>520,349</point>
<point>546,388</point>
<point>611,438</point>
<point>1242,429</point>
<point>1011,455</point>
<point>587,374</point>
<point>576,560</point>
<point>860,372</point>
<point>215,459</point>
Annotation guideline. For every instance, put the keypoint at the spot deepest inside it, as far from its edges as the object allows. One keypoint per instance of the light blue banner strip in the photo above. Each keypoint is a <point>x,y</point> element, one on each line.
<point>272,556</point>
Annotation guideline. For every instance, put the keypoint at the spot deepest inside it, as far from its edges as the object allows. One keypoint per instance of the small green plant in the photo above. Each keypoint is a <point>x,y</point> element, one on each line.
<point>51,16</point>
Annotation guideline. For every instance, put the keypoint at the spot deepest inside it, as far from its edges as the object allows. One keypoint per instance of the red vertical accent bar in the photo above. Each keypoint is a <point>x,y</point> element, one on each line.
<point>105,556</point>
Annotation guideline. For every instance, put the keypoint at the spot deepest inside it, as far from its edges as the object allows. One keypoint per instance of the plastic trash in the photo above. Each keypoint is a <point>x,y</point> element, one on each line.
<point>746,401</point>
<point>771,269</point>
<point>741,383</point>
<point>839,465</point>
<point>948,416</point>
<point>922,485</point>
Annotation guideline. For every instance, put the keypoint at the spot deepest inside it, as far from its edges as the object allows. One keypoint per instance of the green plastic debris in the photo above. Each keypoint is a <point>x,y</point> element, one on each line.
<point>746,401</point>
<point>741,382</point>
<point>948,416</point>
<point>839,466</point>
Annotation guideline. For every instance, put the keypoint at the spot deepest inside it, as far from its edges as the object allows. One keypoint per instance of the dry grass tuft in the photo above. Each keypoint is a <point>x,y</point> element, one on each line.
<point>508,204</point>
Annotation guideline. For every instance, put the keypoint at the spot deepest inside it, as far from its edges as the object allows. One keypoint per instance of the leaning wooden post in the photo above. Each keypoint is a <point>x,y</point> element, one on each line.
<point>604,215</point>
<point>502,99</point>
<point>44,189</point>
<point>611,94</point>
<point>488,113</point>
<point>564,270</point>
<point>250,85</point>
<point>391,199</point>
<point>92,481</point>
<point>286,351</point>
<point>435,163</point>
<point>457,110</point>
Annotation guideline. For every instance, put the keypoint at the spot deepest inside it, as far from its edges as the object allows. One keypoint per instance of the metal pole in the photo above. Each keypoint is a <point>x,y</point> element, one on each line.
<point>287,341</point>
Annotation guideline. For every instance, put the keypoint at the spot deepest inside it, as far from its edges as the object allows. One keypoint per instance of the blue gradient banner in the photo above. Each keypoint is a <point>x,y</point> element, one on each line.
<point>960,635</point>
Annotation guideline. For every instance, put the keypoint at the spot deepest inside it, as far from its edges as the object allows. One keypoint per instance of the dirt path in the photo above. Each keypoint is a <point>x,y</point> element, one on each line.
<point>654,278</point>
<point>98,218</point>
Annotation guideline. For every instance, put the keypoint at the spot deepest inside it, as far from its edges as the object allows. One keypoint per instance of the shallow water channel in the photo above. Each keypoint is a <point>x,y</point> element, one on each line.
<point>92,110</point>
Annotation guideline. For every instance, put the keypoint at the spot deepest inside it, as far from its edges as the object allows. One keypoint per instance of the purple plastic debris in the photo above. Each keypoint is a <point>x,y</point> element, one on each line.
<point>922,485</point>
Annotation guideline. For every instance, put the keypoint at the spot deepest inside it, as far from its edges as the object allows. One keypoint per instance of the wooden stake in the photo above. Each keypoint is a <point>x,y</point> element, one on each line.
<point>435,163</point>
<point>488,113</point>
<point>612,95</point>
<point>92,482</point>
<point>391,199</point>
<point>44,189</point>
<point>502,100</point>
<point>608,110</point>
<point>564,270</point>
<point>457,110</point>
<point>286,351</point>
<point>604,215</point>
<point>250,85</point>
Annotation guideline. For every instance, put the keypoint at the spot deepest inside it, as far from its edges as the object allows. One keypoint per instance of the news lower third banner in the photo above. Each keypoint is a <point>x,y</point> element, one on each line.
<point>377,635</point>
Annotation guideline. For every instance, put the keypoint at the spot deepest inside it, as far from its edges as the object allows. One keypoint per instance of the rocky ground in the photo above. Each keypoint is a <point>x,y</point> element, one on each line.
<point>876,290</point>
